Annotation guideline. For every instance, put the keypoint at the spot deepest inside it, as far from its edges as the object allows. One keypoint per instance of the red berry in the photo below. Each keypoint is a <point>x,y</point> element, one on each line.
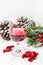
<point>30,59</point>
<point>8,49</point>
<point>34,54</point>
<point>41,40</point>
<point>23,56</point>
<point>12,46</point>
<point>40,37</point>
<point>28,53</point>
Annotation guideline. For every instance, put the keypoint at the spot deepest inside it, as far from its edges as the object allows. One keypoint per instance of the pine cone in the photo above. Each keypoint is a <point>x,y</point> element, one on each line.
<point>33,24</point>
<point>19,25</point>
<point>5,35</point>
<point>4,27</point>
<point>25,22</point>
<point>21,19</point>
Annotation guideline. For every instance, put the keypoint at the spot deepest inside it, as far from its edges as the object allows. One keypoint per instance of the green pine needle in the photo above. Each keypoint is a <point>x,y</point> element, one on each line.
<point>33,35</point>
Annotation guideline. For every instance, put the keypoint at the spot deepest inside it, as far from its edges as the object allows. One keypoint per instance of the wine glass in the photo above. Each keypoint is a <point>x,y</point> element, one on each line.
<point>17,35</point>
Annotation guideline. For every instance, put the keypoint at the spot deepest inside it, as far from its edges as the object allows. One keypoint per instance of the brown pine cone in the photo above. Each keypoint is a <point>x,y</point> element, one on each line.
<point>33,24</point>
<point>5,35</point>
<point>19,25</point>
<point>4,27</point>
<point>25,22</point>
<point>21,19</point>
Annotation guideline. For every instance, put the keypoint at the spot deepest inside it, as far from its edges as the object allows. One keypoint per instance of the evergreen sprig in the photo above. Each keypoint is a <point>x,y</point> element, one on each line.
<point>33,35</point>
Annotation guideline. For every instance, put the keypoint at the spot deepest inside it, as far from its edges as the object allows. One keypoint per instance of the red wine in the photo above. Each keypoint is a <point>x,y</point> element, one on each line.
<point>18,38</point>
<point>18,34</point>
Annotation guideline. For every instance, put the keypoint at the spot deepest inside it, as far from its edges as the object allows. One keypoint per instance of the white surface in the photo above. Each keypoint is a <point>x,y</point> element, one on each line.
<point>10,10</point>
<point>8,59</point>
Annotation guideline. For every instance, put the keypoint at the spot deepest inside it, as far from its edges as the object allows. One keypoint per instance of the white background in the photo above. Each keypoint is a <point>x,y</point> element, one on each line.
<point>10,10</point>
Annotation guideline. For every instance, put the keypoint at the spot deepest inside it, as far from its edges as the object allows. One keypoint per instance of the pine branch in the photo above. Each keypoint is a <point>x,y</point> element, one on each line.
<point>33,35</point>
<point>39,27</point>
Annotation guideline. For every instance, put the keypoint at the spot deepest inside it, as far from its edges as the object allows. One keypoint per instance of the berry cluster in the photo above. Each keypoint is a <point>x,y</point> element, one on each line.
<point>8,48</point>
<point>40,37</point>
<point>30,55</point>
